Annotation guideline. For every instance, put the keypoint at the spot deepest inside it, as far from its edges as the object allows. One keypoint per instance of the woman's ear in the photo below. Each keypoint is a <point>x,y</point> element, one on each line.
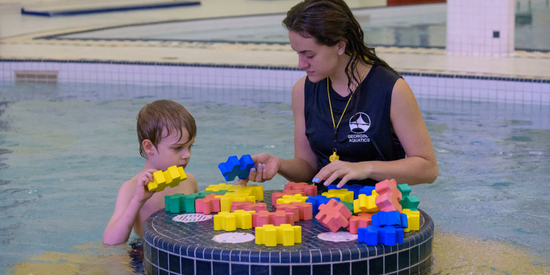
<point>148,147</point>
<point>341,47</point>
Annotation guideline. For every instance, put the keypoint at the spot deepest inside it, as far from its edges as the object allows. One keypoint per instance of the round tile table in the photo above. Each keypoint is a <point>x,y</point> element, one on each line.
<point>172,247</point>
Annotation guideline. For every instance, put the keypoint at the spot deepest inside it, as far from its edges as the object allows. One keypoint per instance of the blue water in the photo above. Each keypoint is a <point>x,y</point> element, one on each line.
<point>426,29</point>
<point>65,149</point>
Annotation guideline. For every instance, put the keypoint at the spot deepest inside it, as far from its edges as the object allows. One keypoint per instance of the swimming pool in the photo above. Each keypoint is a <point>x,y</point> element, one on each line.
<point>421,26</point>
<point>66,148</point>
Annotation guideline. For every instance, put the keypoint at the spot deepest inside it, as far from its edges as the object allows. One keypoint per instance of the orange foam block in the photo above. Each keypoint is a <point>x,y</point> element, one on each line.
<point>309,190</point>
<point>248,205</point>
<point>289,209</point>
<point>359,221</point>
<point>333,215</point>
<point>208,204</point>
<point>389,196</point>
<point>275,218</point>
<point>301,210</point>
<point>305,210</point>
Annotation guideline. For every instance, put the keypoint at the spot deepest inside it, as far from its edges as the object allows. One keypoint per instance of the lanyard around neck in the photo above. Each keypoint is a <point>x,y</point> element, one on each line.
<point>334,155</point>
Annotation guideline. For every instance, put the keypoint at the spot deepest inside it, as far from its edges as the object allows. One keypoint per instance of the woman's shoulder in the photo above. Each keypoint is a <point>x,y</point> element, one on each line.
<point>381,70</point>
<point>382,76</point>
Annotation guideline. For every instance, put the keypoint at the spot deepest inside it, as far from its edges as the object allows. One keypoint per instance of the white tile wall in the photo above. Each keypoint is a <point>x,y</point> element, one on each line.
<point>471,24</point>
<point>234,78</point>
<point>483,90</point>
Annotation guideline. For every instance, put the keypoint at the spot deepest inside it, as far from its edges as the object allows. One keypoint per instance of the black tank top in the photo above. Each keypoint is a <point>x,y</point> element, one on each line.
<point>365,131</point>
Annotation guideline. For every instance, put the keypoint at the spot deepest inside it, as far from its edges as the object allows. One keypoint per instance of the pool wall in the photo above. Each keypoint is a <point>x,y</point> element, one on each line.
<point>525,91</point>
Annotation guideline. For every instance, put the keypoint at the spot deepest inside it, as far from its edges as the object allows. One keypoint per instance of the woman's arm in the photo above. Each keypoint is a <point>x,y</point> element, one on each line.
<point>420,165</point>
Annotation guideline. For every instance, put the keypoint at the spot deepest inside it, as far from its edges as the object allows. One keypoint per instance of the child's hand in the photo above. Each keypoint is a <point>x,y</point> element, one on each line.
<point>142,192</point>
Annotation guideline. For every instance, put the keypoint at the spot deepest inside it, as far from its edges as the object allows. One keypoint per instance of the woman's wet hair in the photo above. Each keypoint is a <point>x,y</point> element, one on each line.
<point>329,22</point>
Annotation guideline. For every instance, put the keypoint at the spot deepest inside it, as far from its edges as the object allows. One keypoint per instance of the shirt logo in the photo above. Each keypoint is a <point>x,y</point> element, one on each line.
<point>359,123</point>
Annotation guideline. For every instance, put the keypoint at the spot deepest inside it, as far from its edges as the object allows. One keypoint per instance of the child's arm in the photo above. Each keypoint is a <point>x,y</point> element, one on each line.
<point>127,208</point>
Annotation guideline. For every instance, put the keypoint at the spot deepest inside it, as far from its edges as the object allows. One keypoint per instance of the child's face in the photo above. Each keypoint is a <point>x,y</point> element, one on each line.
<point>173,150</point>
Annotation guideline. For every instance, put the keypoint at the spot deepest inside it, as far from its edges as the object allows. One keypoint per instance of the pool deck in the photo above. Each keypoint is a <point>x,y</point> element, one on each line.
<point>17,32</point>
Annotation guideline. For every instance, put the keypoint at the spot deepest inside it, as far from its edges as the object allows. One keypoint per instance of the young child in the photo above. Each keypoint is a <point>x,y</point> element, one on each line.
<point>166,132</point>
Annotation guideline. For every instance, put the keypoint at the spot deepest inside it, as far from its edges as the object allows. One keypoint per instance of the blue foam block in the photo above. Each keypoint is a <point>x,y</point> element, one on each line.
<point>366,190</point>
<point>383,218</point>
<point>387,235</point>
<point>368,235</point>
<point>404,221</point>
<point>399,235</point>
<point>235,167</point>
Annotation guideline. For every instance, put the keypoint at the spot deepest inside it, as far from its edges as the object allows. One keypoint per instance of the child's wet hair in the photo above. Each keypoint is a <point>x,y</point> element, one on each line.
<point>154,117</point>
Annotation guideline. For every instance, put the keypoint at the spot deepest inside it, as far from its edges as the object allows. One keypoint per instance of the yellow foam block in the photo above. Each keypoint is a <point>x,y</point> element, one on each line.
<point>287,199</point>
<point>228,198</point>
<point>219,187</point>
<point>254,190</point>
<point>413,219</point>
<point>241,219</point>
<point>284,234</point>
<point>365,204</point>
<point>171,177</point>
<point>342,194</point>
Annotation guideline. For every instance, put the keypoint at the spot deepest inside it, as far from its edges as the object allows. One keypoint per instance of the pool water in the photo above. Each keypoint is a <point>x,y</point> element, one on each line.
<point>418,27</point>
<point>65,149</point>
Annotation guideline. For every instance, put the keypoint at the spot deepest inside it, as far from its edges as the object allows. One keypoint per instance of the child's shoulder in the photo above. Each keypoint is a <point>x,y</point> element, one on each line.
<point>187,186</point>
<point>130,184</point>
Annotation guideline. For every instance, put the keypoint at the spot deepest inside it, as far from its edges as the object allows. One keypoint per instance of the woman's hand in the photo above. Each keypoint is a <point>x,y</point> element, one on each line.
<point>142,193</point>
<point>342,169</point>
<point>267,167</point>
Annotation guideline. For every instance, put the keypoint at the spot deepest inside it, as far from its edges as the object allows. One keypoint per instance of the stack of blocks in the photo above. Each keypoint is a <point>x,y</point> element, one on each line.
<point>382,213</point>
<point>386,228</point>
<point>372,205</point>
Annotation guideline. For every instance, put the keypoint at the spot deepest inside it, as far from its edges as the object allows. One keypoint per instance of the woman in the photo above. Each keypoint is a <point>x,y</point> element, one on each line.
<point>355,118</point>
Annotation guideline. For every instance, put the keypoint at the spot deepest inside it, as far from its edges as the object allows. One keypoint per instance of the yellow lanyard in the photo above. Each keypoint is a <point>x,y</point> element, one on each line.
<point>334,155</point>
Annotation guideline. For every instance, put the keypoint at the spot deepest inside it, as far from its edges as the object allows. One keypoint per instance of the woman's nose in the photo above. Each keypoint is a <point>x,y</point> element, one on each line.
<point>302,63</point>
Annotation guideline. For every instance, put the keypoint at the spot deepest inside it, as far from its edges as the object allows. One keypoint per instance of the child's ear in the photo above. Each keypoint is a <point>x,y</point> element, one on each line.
<point>148,147</point>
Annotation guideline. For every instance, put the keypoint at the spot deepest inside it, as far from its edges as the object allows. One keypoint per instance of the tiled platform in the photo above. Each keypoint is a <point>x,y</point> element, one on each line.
<point>188,248</point>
